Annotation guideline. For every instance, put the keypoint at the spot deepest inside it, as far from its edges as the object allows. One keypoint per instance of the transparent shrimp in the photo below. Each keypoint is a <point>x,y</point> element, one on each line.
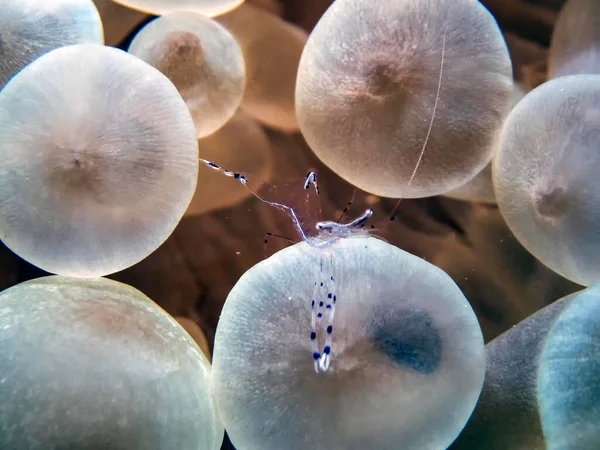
<point>324,295</point>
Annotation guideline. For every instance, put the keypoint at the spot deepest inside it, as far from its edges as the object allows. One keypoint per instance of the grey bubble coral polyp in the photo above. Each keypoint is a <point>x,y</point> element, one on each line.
<point>31,28</point>
<point>99,161</point>
<point>94,363</point>
<point>507,414</point>
<point>545,175</point>
<point>568,392</point>
<point>575,46</point>
<point>407,352</point>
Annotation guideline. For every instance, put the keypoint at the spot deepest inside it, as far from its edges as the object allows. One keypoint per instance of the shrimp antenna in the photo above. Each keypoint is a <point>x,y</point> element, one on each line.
<point>311,179</point>
<point>347,206</point>
<point>437,97</point>
<point>285,208</point>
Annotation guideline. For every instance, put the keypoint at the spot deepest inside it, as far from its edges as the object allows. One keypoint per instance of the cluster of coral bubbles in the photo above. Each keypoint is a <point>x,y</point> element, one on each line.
<point>99,162</point>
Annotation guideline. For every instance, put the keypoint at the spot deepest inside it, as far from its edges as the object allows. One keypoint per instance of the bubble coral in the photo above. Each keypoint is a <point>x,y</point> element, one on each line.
<point>507,414</point>
<point>96,364</point>
<point>164,7</point>
<point>241,143</point>
<point>30,28</point>
<point>575,46</point>
<point>568,391</point>
<point>368,85</point>
<point>480,188</point>
<point>407,352</point>
<point>95,175</point>
<point>544,175</point>
<point>202,59</point>
<point>272,49</point>
<point>504,283</point>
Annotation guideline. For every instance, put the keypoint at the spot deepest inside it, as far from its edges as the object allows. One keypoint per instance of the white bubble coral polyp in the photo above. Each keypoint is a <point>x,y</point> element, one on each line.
<point>373,73</point>
<point>99,161</point>
<point>407,355</point>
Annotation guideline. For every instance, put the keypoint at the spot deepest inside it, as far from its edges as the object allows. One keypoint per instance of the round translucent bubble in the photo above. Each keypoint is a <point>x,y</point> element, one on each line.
<point>568,389</point>
<point>575,46</point>
<point>407,354</point>
<point>163,7</point>
<point>480,188</point>
<point>367,87</point>
<point>545,175</point>
<point>30,28</point>
<point>507,414</point>
<point>202,59</point>
<point>96,364</point>
<point>99,161</point>
<point>240,144</point>
<point>272,49</point>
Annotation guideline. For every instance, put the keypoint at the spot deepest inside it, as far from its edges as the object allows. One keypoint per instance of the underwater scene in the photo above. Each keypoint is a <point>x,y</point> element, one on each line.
<point>299,224</point>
